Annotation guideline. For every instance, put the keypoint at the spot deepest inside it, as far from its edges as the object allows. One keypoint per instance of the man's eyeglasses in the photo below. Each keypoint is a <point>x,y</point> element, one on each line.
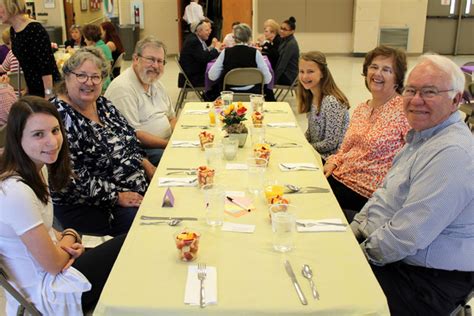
<point>385,70</point>
<point>425,92</point>
<point>82,78</point>
<point>151,60</point>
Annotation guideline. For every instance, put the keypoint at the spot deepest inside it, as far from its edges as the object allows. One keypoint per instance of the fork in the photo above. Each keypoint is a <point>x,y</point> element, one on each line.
<point>297,167</point>
<point>190,172</point>
<point>320,223</point>
<point>180,181</point>
<point>202,276</point>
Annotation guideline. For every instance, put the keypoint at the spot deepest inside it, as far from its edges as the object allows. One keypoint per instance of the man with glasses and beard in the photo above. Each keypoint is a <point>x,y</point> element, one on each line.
<point>142,99</point>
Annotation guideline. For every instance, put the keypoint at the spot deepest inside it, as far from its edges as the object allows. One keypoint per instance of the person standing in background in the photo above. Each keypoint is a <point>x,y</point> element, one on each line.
<point>289,53</point>
<point>193,12</point>
<point>32,47</point>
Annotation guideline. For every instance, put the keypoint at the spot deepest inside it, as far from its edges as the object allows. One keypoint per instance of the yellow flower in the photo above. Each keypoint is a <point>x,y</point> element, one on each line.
<point>227,111</point>
<point>231,107</point>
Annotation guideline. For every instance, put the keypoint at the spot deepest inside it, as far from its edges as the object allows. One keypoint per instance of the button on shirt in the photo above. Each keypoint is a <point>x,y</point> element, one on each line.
<point>148,111</point>
<point>423,214</point>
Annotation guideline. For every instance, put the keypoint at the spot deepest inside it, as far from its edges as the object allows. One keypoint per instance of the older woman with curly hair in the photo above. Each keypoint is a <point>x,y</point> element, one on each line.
<point>109,166</point>
<point>376,132</point>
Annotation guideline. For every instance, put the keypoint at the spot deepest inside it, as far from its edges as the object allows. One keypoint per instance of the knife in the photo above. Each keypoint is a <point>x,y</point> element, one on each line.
<point>290,272</point>
<point>144,217</point>
<point>180,168</point>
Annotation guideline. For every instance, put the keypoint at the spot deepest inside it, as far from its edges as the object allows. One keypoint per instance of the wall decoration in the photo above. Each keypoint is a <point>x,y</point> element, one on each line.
<point>49,4</point>
<point>94,5</point>
<point>83,5</point>
<point>137,13</point>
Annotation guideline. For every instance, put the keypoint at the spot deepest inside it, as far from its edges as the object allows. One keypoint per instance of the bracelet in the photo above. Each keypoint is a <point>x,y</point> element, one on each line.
<point>72,232</point>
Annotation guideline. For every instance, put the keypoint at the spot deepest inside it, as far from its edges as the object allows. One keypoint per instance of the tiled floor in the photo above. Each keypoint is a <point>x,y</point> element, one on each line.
<point>345,70</point>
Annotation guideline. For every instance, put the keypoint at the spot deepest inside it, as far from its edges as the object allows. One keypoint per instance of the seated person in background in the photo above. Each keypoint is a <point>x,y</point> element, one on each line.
<point>4,48</point>
<point>7,98</point>
<point>112,40</point>
<point>239,56</point>
<point>109,166</point>
<point>142,99</point>
<point>195,54</point>
<point>76,40</point>
<point>9,63</point>
<point>326,105</point>
<point>417,230</point>
<point>50,268</point>
<point>193,12</point>
<point>271,42</point>
<point>229,38</point>
<point>93,38</point>
<point>376,132</point>
<point>288,52</point>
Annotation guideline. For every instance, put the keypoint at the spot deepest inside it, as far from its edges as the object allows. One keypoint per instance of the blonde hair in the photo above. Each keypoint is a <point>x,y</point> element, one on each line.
<point>6,36</point>
<point>326,85</point>
<point>14,7</point>
<point>272,24</point>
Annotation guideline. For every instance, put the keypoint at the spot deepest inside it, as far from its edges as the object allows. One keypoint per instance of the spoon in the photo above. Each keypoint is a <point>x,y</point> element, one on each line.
<point>294,188</point>
<point>173,222</point>
<point>308,274</point>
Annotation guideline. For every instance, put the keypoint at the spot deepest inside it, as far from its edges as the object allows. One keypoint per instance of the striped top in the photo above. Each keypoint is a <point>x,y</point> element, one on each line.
<point>10,64</point>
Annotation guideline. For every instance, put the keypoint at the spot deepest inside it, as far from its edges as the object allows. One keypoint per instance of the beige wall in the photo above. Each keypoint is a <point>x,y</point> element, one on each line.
<point>84,17</point>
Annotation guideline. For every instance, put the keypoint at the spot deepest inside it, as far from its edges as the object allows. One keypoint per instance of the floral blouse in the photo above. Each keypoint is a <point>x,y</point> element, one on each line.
<point>326,129</point>
<point>371,142</point>
<point>106,159</point>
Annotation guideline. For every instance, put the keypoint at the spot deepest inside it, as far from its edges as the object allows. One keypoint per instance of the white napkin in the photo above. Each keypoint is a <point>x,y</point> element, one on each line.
<point>196,111</point>
<point>239,228</point>
<point>282,124</point>
<point>185,143</point>
<point>236,166</point>
<point>297,166</point>
<point>193,286</point>
<point>177,182</point>
<point>322,227</point>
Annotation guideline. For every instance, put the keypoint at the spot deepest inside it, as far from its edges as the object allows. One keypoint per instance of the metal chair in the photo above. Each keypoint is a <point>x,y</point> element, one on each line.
<point>17,81</point>
<point>187,87</point>
<point>25,305</point>
<point>117,64</point>
<point>243,77</point>
<point>464,309</point>
<point>280,88</point>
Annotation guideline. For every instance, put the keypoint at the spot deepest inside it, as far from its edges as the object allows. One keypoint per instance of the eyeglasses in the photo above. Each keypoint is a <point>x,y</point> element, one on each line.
<point>82,78</point>
<point>385,70</point>
<point>284,29</point>
<point>151,60</point>
<point>425,92</point>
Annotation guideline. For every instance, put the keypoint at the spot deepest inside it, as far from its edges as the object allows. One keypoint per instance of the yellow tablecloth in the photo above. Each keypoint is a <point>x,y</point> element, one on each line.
<point>149,279</point>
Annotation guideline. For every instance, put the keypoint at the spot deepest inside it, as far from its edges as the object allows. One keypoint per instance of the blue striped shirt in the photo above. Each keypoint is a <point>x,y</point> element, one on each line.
<point>423,214</point>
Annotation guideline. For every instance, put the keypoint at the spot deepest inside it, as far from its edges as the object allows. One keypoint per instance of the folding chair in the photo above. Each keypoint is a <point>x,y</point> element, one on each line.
<point>24,304</point>
<point>243,77</point>
<point>17,81</point>
<point>117,65</point>
<point>187,87</point>
<point>280,88</point>
<point>464,309</point>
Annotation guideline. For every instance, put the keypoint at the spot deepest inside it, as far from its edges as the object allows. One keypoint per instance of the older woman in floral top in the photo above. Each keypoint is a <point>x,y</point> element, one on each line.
<point>376,132</point>
<point>108,164</point>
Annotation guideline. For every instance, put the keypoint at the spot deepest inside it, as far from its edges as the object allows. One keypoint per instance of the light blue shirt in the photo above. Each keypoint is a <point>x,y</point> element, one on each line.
<point>423,214</point>
<point>216,69</point>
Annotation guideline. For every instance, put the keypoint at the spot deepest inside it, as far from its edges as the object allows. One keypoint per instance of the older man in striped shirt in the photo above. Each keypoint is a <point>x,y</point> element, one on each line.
<point>417,231</point>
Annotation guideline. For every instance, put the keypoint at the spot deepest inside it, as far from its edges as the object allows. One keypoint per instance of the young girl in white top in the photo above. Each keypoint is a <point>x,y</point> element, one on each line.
<point>49,267</point>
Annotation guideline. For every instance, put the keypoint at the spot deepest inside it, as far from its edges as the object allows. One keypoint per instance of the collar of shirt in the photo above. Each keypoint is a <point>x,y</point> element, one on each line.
<point>414,136</point>
<point>204,45</point>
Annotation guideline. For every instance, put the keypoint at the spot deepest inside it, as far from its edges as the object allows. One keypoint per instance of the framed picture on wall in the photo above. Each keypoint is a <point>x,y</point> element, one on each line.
<point>83,5</point>
<point>94,5</point>
<point>49,4</point>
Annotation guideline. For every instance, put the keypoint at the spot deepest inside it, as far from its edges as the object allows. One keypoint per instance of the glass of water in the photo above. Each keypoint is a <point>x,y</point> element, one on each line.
<point>257,133</point>
<point>230,147</point>
<point>214,199</point>
<point>214,153</point>
<point>257,100</point>
<point>227,98</point>
<point>284,231</point>
<point>256,175</point>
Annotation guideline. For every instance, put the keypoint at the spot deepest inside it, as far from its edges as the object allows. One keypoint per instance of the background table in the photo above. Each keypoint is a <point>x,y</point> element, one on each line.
<point>149,279</point>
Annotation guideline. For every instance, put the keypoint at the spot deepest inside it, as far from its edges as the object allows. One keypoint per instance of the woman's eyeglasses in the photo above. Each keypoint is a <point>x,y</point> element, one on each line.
<point>284,29</point>
<point>82,78</point>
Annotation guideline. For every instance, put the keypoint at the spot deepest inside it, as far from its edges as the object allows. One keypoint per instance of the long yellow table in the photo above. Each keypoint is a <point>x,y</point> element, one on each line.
<point>149,279</point>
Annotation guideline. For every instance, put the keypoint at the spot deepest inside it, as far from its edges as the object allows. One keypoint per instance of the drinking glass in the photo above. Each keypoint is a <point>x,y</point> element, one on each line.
<point>214,198</point>
<point>230,148</point>
<point>257,100</point>
<point>212,116</point>
<point>213,153</point>
<point>273,189</point>
<point>284,231</point>
<point>227,98</point>
<point>256,175</point>
<point>257,133</point>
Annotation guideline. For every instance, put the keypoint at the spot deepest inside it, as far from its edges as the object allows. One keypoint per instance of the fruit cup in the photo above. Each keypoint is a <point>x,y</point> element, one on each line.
<point>205,176</point>
<point>205,138</point>
<point>273,190</point>
<point>262,151</point>
<point>187,243</point>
